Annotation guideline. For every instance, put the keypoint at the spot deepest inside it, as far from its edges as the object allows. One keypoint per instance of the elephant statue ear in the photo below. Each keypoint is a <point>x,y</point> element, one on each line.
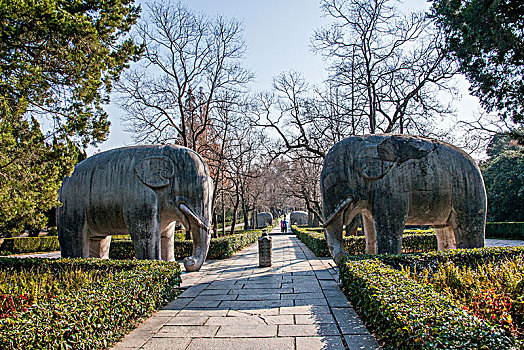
<point>373,162</point>
<point>155,171</point>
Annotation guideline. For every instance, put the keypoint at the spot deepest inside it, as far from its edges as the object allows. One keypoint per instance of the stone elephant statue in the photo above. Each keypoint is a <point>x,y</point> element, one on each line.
<point>264,219</point>
<point>143,191</point>
<point>394,180</point>
<point>298,218</point>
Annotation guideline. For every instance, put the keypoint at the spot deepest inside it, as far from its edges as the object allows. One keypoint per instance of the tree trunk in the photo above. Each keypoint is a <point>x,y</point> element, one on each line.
<point>313,220</point>
<point>223,217</point>
<point>235,210</point>
<point>352,228</point>
<point>254,221</point>
<point>215,223</point>
<point>188,234</point>
<point>246,219</point>
<point>33,232</point>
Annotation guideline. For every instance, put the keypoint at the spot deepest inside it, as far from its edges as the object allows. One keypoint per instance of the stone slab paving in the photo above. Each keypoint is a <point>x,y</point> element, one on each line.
<point>49,255</point>
<point>234,304</point>
<point>503,243</point>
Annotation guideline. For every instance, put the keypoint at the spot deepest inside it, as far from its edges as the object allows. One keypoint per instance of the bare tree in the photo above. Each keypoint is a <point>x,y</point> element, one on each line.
<point>302,180</point>
<point>387,74</point>
<point>308,121</point>
<point>185,88</point>
<point>244,167</point>
<point>478,132</point>
<point>390,66</point>
<point>274,190</point>
<point>189,62</point>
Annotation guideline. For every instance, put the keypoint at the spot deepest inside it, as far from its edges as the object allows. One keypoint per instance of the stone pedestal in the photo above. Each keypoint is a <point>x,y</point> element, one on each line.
<point>264,250</point>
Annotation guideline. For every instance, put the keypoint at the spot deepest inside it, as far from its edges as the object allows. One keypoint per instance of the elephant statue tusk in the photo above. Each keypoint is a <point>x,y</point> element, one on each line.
<point>339,209</point>
<point>191,215</point>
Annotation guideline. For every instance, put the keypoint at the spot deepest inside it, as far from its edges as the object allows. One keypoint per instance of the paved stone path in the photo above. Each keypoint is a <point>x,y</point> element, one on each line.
<point>49,255</point>
<point>503,243</point>
<point>233,304</point>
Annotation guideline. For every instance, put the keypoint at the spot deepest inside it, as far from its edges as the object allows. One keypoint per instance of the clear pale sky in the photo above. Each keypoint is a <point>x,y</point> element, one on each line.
<point>277,34</point>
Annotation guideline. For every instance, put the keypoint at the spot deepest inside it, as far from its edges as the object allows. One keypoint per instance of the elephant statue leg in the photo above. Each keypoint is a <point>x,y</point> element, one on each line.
<point>334,239</point>
<point>352,227</point>
<point>369,231</point>
<point>77,240</point>
<point>72,233</point>
<point>98,246</point>
<point>390,218</point>
<point>167,242</point>
<point>469,229</point>
<point>144,229</point>
<point>445,238</point>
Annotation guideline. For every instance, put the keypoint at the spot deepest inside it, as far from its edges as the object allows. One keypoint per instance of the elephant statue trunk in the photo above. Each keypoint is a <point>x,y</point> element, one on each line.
<point>338,210</point>
<point>201,239</point>
<point>200,249</point>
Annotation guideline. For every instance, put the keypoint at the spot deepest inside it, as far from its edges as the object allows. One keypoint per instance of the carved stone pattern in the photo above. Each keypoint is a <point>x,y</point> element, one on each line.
<point>155,171</point>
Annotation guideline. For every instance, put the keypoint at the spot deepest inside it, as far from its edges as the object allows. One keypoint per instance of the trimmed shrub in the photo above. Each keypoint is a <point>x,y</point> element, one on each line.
<point>311,229</point>
<point>20,245</point>
<point>505,230</point>
<point>224,247</point>
<point>407,315</point>
<point>462,257</point>
<point>314,241</point>
<point>219,248</point>
<point>414,242</point>
<point>91,314</point>
<point>122,247</point>
<point>418,242</point>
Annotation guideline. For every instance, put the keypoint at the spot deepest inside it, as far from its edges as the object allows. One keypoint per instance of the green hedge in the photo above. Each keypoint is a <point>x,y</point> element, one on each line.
<point>461,257</point>
<point>96,315</point>
<point>224,247</point>
<point>354,245</point>
<point>497,230</point>
<point>20,245</point>
<point>407,315</point>
<point>219,248</point>
<point>311,229</point>
<point>505,230</point>
<point>122,247</point>
<point>314,241</point>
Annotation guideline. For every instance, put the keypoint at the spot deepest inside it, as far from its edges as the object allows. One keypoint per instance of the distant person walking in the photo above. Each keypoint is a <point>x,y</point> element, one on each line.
<point>281,225</point>
<point>284,226</point>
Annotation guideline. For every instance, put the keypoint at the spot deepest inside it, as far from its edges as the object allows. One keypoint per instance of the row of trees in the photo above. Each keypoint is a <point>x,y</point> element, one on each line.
<point>389,71</point>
